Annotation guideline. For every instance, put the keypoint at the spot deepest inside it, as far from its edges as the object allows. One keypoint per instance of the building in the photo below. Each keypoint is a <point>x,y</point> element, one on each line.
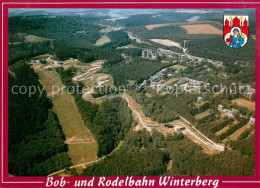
<point>220,107</point>
<point>252,120</point>
<point>184,79</point>
<point>35,61</point>
<point>199,99</point>
<point>183,57</point>
<point>169,75</point>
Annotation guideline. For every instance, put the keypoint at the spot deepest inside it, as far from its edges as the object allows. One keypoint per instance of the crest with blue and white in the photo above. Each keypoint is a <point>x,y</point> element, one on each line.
<point>236,30</point>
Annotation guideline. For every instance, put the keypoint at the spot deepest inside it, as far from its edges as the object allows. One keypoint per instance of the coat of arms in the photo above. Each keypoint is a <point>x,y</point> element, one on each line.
<point>236,30</point>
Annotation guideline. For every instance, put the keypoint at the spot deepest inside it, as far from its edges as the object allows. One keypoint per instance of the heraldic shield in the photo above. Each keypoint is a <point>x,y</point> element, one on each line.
<point>236,30</point>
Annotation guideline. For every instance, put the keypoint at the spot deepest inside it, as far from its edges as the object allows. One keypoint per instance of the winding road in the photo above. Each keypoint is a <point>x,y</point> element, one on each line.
<point>195,133</point>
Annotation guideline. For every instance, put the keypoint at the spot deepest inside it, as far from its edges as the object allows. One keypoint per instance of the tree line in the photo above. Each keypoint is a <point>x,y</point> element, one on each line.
<point>36,141</point>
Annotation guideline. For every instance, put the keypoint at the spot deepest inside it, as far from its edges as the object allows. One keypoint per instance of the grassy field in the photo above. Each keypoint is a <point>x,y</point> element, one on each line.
<point>165,62</point>
<point>202,115</point>
<point>199,104</point>
<point>81,143</point>
<point>224,129</point>
<point>161,81</point>
<point>103,40</point>
<point>244,103</point>
<point>178,67</point>
<point>238,132</point>
<point>170,81</point>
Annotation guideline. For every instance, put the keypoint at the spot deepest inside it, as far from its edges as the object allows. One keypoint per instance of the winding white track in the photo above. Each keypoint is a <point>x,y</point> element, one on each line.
<point>199,136</point>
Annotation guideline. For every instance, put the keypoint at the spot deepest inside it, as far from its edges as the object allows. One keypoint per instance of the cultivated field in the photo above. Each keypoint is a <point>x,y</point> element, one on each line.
<point>202,29</point>
<point>170,81</point>
<point>151,27</point>
<point>166,42</point>
<point>245,103</point>
<point>103,40</point>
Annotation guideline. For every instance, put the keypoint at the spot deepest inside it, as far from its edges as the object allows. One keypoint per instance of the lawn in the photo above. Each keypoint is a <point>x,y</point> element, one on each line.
<point>103,40</point>
<point>165,62</point>
<point>238,132</point>
<point>202,115</point>
<point>245,103</point>
<point>178,67</point>
<point>81,143</point>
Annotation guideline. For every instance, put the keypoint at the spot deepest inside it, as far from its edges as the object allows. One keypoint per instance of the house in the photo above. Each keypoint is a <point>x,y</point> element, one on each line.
<point>235,111</point>
<point>35,61</point>
<point>160,86</point>
<point>184,79</point>
<point>169,75</point>
<point>183,57</point>
<point>199,99</point>
<point>252,120</point>
<point>153,84</point>
<point>220,107</point>
<point>229,113</point>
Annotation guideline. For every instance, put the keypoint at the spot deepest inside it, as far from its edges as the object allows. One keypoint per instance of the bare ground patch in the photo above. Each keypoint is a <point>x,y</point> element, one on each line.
<point>201,29</point>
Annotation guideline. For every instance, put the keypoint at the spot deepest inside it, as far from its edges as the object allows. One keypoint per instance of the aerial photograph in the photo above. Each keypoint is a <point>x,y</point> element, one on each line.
<point>131,92</point>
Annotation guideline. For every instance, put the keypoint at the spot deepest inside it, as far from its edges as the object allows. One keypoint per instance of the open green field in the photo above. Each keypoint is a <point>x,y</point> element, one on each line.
<point>202,115</point>
<point>81,143</point>
<point>103,40</point>
<point>238,132</point>
<point>245,103</point>
<point>178,67</point>
<point>170,81</point>
<point>199,104</point>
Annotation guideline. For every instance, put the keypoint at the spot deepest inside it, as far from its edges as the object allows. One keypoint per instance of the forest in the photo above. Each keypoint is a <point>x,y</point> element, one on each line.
<point>66,31</point>
<point>142,154</point>
<point>36,141</point>
<point>109,121</point>
<point>111,56</point>
<point>138,70</point>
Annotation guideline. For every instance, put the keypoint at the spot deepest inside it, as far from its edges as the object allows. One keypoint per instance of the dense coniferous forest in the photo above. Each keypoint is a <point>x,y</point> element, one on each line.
<point>25,50</point>
<point>137,70</point>
<point>137,156</point>
<point>142,154</point>
<point>87,55</point>
<point>165,108</point>
<point>36,141</point>
<point>69,31</point>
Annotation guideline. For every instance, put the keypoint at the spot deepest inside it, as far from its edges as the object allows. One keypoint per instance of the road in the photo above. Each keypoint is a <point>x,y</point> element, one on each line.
<point>146,125</point>
<point>77,78</point>
<point>195,133</point>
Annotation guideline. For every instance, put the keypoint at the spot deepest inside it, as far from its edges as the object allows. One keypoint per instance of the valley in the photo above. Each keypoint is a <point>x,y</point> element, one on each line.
<point>137,94</point>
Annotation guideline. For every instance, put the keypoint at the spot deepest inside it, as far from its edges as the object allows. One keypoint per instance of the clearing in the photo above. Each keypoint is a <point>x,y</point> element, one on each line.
<point>81,143</point>
<point>103,40</point>
<point>33,38</point>
<point>245,103</point>
<point>238,132</point>
<point>151,27</point>
<point>202,115</point>
<point>223,130</point>
<point>201,29</point>
<point>170,81</point>
<point>166,42</point>
<point>178,67</point>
